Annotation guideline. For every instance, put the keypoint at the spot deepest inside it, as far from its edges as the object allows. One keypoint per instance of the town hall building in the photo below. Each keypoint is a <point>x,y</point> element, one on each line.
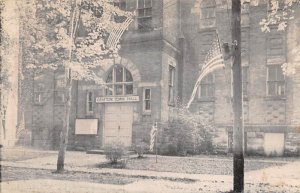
<point>160,58</point>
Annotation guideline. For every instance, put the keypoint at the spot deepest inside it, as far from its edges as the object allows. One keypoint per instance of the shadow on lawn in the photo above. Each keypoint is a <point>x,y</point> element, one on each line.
<point>117,165</point>
<point>121,164</point>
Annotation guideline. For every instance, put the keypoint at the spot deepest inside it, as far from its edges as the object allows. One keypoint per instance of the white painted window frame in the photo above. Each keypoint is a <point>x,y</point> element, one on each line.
<point>88,102</point>
<point>268,81</point>
<point>171,81</point>
<point>144,100</point>
<point>211,84</point>
<point>123,83</point>
<point>150,17</point>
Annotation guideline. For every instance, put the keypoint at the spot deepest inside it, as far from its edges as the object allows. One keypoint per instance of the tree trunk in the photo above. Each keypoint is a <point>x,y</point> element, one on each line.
<point>3,121</point>
<point>66,126</point>
<point>65,130</point>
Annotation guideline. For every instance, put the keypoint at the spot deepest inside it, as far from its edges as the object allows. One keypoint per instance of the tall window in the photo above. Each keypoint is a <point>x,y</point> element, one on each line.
<point>245,76</point>
<point>144,14</point>
<point>147,100</point>
<point>276,44</point>
<point>39,92</point>
<point>59,97</point>
<point>206,89</point>
<point>171,84</point>
<point>90,102</point>
<point>245,45</point>
<point>208,14</point>
<point>119,82</point>
<point>275,47</point>
<point>60,82</point>
<point>120,3</point>
<point>275,81</point>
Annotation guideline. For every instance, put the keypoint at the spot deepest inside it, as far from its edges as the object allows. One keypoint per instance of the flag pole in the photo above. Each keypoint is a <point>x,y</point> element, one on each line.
<point>218,37</point>
<point>156,141</point>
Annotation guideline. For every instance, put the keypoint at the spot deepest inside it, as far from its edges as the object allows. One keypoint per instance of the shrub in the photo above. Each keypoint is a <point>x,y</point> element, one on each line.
<point>186,133</point>
<point>141,148</point>
<point>177,139</point>
<point>204,142</point>
<point>168,149</point>
<point>114,152</point>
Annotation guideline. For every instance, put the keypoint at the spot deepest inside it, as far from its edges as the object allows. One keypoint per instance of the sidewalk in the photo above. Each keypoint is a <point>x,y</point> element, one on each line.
<point>288,174</point>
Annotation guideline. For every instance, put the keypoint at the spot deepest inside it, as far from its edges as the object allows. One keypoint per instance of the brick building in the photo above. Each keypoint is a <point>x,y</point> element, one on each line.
<point>160,58</point>
<point>142,82</point>
<point>269,98</point>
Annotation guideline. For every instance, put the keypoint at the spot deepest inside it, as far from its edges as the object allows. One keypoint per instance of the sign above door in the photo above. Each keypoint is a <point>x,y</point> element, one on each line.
<point>117,99</point>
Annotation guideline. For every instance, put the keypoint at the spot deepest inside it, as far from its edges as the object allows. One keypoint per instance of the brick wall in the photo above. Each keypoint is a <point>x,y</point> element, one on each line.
<point>294,42</point>
<point>171,20</point>
<point>258,108</point>
<point>261,113</point>
<point>42,113</point>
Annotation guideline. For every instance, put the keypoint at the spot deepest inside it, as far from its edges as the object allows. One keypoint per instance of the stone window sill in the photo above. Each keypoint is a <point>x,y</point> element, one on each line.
<point>206,99</point>
<point>172,104</point>
<point>207,29</point>
<point>275,98</point>
<point>146,112</point>
<point>59,104</point>
<point>89,115</point>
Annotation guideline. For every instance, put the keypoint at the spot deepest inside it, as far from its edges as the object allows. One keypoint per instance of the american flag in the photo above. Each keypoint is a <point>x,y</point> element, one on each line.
<point>214,55</point>
<point>117,32</point>
<point>213,60</point>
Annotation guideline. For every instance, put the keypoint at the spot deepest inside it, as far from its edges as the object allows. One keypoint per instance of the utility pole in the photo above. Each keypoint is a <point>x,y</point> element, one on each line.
<point>238,129</point>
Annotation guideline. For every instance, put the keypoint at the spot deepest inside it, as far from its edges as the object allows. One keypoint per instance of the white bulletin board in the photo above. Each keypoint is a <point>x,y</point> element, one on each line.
<point>86,126</point>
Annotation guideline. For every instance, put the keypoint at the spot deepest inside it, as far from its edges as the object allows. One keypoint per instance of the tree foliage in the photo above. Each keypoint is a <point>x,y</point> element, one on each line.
<point>55,28</point>
<point>70,36</point>
<point>279,12</point>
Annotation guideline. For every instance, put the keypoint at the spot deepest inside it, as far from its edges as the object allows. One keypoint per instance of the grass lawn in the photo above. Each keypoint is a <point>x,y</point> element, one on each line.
<point>19,180</point>
<point>17,154</point>
<point>15,174</point>
<point>193,165</point>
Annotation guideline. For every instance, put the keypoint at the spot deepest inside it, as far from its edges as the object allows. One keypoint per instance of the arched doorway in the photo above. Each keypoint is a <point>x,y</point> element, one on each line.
<point>118,116</point>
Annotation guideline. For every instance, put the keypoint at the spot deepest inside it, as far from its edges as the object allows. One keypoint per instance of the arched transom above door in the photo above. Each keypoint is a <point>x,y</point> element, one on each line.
<point>121,61</point>
<point>119,82</point>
